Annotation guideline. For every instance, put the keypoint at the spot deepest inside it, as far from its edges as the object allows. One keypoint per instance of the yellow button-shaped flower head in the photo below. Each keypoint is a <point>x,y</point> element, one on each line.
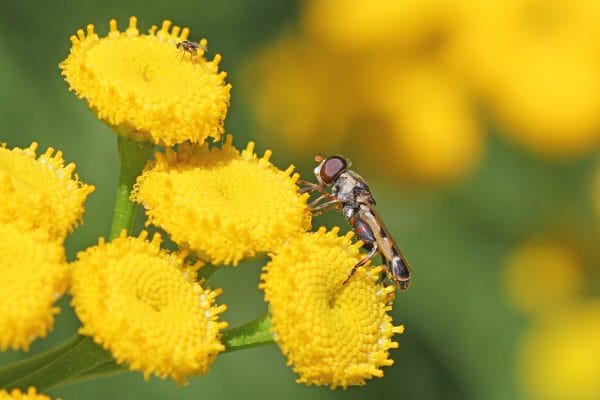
<point>223,204</point>
<point>333,334</point>
<point>16,394</point>
<point>148,87</point>
<point>145,306</point>
<point>33,274</point>
<point>40,191</point>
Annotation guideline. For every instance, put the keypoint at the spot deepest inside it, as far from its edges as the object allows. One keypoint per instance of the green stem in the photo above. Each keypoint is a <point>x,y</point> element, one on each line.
<point>254,333</point>
<point>133,156</point>
<point>80,359</point>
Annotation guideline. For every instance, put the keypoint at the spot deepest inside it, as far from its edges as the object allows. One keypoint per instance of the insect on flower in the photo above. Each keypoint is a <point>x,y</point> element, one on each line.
<point>191,48</point>
<point>351,194</point>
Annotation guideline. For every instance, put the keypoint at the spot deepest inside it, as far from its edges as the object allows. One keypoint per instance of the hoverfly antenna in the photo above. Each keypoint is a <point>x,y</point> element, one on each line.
<point>319,158</point>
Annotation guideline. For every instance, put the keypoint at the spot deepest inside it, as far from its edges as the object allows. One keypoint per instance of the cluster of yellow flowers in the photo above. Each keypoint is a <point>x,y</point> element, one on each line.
<point>40,202</point>
<point>409,84</point>
<point>218,204</point>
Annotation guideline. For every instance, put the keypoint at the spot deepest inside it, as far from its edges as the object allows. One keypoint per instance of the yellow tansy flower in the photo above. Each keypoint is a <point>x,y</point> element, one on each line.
<point>41,190</point>
<point>33,275</point>
<point>145,306</point>
<point>223,204</point>
<point>16,394</point>
<point>332,334</point>
<point>145,87</point>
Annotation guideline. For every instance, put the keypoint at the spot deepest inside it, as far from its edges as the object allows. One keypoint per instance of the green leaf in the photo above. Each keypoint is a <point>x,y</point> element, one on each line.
<point>255,333</point>
<point>82,359</point>
<point>78,356</point>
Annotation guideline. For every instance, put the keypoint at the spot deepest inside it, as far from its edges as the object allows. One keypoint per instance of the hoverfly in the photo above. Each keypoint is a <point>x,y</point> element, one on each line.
<point>351,194</point>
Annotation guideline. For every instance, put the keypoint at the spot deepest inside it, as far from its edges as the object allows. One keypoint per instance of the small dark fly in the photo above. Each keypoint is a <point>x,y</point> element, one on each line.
<point>350,193</point>
<point>191,47</point>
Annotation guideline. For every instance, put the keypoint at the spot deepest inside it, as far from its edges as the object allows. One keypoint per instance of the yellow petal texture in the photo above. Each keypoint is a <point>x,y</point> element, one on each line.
<point>145,87</point>
<point>145,306</point>
<point>223,204</point>
<point>332,334</point>
<point>41,191</point>
<point>33,274</point>
<point>16,394</point>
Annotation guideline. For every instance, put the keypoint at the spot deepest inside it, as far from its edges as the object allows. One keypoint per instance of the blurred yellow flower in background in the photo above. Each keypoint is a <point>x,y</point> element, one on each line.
<point>145,306</point>
<point>560,356</point>
<point>357,27</point>
<point>542,275</point>
<point>290,101</point>
<point>16,394</point>
<point>535,64</point>
<point>405,84</point>
<point>41,191</point>
<point>332,334</point>
<point>225,205</point>
<point>432,133</point>
<point>145,87</point>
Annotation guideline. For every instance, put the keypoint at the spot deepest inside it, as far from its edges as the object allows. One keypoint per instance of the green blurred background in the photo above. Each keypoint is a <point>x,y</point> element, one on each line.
<point>463,337</point>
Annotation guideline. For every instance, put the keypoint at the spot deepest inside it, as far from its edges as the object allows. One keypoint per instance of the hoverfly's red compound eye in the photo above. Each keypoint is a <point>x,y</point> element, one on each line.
<point>331,168</point>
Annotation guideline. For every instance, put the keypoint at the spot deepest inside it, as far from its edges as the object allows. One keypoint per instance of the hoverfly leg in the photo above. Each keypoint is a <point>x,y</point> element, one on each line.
<point>325,196</point>
<point>323,207</point>
<point>363,261</point>
<point>310,187</point>
<point>384,273</point>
